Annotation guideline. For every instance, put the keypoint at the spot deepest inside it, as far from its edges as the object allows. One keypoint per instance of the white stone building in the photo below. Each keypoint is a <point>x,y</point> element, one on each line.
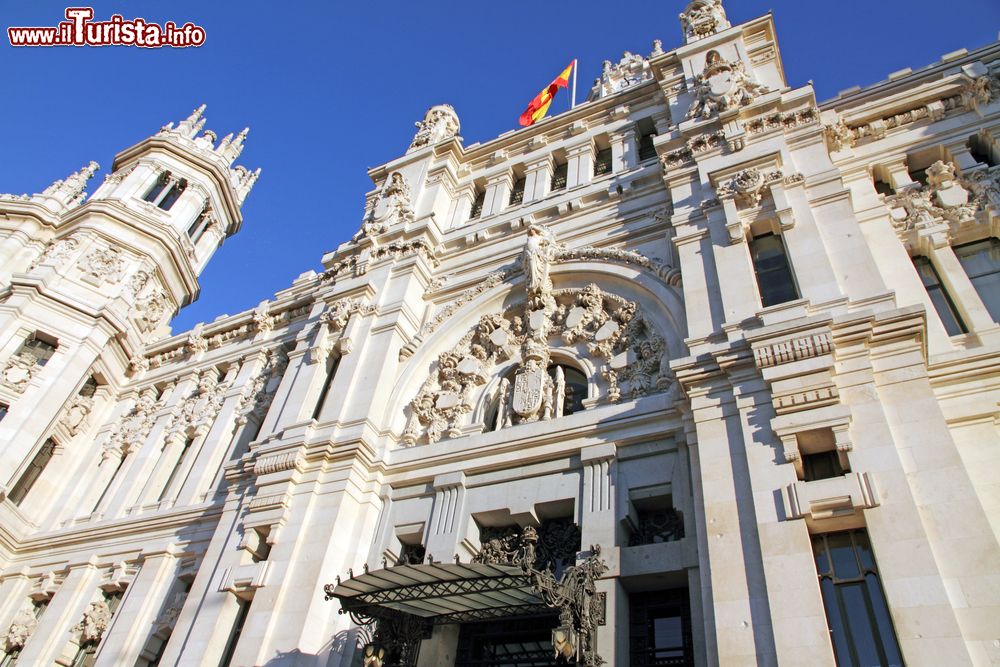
<point>700,372</point>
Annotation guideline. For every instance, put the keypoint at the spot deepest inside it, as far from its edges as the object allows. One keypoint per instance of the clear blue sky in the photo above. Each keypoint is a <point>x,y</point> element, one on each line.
<point>332,88</point>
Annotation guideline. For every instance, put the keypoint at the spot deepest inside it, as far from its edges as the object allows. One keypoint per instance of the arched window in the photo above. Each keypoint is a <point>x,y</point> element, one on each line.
<point>576,387</point>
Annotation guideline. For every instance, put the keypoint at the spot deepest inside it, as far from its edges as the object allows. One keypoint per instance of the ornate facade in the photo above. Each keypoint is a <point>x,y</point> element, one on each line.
<point>696,373</point>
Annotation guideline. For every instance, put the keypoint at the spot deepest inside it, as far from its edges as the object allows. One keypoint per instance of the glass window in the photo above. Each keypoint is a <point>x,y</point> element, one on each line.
<point>172,195</point>
<point>602,163</point>
<point>34,471</point>
<point>856,610</point>
<point>774,274</point>
<point>477,205</point>
<point>946,310</point>
<point>647,150</point>
<point>234,634</point>
<point>42,349</point>
<point>559,175</point>
<point>660,629</point>
<point>822,465</point>
<point>506,642</point>
<point>981,261</point>
<point>158,187</point>
<point>576,387</point>
<point>517,194</point>
<point>3,411</point>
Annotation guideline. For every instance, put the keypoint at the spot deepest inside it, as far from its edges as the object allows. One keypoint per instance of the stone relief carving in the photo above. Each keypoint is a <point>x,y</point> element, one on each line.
<point>631,70</point>
<point>96,619</point>
<point>76,417</point>
<point>103,265</point>
<point>946,198</point>
<point>439,124</point>
<point>21,628</point>
<point>749,185</point>
<point>168,619</point>
<point>702,18</point>
<point>395,205</point>
<point>19,370</point>
<point>722,86</point>
<point>787,120</point>
<point>135,425</point>
<point>256,397</point>
<point>633,357</point>
<point>197,412</point>
<point>56,252</point>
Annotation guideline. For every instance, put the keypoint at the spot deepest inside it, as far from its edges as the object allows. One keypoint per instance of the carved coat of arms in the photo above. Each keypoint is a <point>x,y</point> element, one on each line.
<point>529,384</point>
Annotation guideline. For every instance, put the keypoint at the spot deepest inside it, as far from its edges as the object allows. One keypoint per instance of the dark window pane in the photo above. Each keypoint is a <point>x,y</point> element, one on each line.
<point>859,624</point>
<point>517,193</point>
<point>822,465</point>
<point>3,411</point>
<point>835,619</point>
<point>646,148</point>
<point>157,188</point>
<point>942,302</point>
<point>845,564</point>
<point>822,562</point>
<point>602,163</point>
<point>172,195</point>
<point>887,635</point>
<point>477,205</point>
<point>774,275</point>
<point>559,177</point>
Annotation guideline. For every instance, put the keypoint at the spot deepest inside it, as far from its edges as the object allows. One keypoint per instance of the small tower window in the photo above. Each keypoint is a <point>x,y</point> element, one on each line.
<point>477,204</point>
<point>559,174</point>
<point>173,194</point>
<point>517,193</point>
<point>774,273</point>
<point>602,163</point>
<point>166,191</point>
<point>200,225</point>
<point>3,411</point>
<point>647,131</point>
<point>161,183</point>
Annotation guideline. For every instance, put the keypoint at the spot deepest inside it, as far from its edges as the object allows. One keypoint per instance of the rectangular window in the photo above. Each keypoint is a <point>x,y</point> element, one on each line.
<point>774,274</point>
<point>34,471</point>
<point>3,411</point>
<point>175,192</point>
<point>660,629</point>
<point>602,163</point>
<point>559,175</point>
<point>157,189</point>
<point>234,635</point>
<point>517,194</point>
<point>856,610</point>
<point>981,261</point>
<point>42,349</point>
<point>330,373</point>
<point>477,205</point>
<point>176,468</point>
<point>946,310</point>
<point>822,465</point>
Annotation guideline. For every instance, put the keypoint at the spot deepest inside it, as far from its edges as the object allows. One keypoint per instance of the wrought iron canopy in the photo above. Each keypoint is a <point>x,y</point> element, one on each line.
<point>442,593</point>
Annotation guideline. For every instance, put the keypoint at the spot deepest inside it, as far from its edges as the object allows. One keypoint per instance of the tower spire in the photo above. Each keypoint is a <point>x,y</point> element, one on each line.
<point>69,192</point>
<point>189,126</point>
<point>231,150</point>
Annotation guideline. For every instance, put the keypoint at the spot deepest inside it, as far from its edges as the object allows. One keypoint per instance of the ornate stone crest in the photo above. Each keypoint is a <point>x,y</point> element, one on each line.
<point>702,18</point>
<point>393,206</point>
<point>439,124</point>
<point>21,628</point>
<point>946,198</point>
<point>18,371</point>
<point>95,621</point>
<point>722,86</point>
<point>103,265</point>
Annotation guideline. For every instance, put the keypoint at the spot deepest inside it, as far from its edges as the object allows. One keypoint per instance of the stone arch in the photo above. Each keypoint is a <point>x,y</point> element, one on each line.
<point>636,326</point>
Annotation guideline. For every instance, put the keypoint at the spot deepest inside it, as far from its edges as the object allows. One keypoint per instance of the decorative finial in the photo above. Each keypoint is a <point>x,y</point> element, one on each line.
<point>439,124</point>
<point>233,149</point>
<point>702,18</point>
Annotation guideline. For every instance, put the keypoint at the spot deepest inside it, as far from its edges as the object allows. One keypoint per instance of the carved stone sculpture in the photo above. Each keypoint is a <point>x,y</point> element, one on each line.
<point>702,18</point>
<point>21,628</point>
<point>75,419</point>
<point>946,198</point>
<point>95,621</point>
<point>722,86</point>
<point>133,428</point>
<point>259,392</point>
<point>103,265</point>
<point>394,206</point>
<point>56,252</point>
<point>19,370</point>
<point>749,185</point>
<point>439,124</point>
<point>539,253</point>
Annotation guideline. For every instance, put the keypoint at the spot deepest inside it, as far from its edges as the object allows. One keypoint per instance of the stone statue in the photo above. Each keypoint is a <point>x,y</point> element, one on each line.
<point>702,18</point>
<point>439,124</point>
<point>539,252</point>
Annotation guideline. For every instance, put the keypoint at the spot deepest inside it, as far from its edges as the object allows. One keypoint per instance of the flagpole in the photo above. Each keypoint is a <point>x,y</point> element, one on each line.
<point>575,67</point>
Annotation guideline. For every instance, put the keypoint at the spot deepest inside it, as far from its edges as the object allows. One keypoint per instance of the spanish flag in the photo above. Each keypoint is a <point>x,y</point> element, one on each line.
<point>540,105</point>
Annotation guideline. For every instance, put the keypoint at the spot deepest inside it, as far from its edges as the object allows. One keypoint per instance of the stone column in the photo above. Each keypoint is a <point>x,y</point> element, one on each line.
<point>65,610</point>
<point>447,517</point>
<point>136,617</point>
<point>624,149</point>
<point>537,178</point>
<point>498,189</point>
<point>598,523</point>
<point>579,164</point>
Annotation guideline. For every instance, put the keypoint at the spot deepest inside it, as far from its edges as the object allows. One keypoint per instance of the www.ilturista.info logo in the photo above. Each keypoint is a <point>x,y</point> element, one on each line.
<point>80,30</point>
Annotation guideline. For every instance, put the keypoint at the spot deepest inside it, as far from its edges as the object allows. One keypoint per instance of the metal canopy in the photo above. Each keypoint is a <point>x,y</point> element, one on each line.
<point>443,593</point>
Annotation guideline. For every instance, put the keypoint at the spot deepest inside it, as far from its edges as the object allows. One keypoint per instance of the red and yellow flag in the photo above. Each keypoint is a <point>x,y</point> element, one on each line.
<point>540,105</point>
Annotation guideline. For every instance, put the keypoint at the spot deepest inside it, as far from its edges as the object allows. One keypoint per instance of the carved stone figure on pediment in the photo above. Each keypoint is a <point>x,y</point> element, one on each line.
<point>702,18</point>
<point>439,124</point>
<point>395,205</point>
<point>540,251</point>
<point>19,370</point>
<point>722,86</point>
<point>21,628</point>
<point>946,197</point>
<point>750,185</point>
<point>96,619</point>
